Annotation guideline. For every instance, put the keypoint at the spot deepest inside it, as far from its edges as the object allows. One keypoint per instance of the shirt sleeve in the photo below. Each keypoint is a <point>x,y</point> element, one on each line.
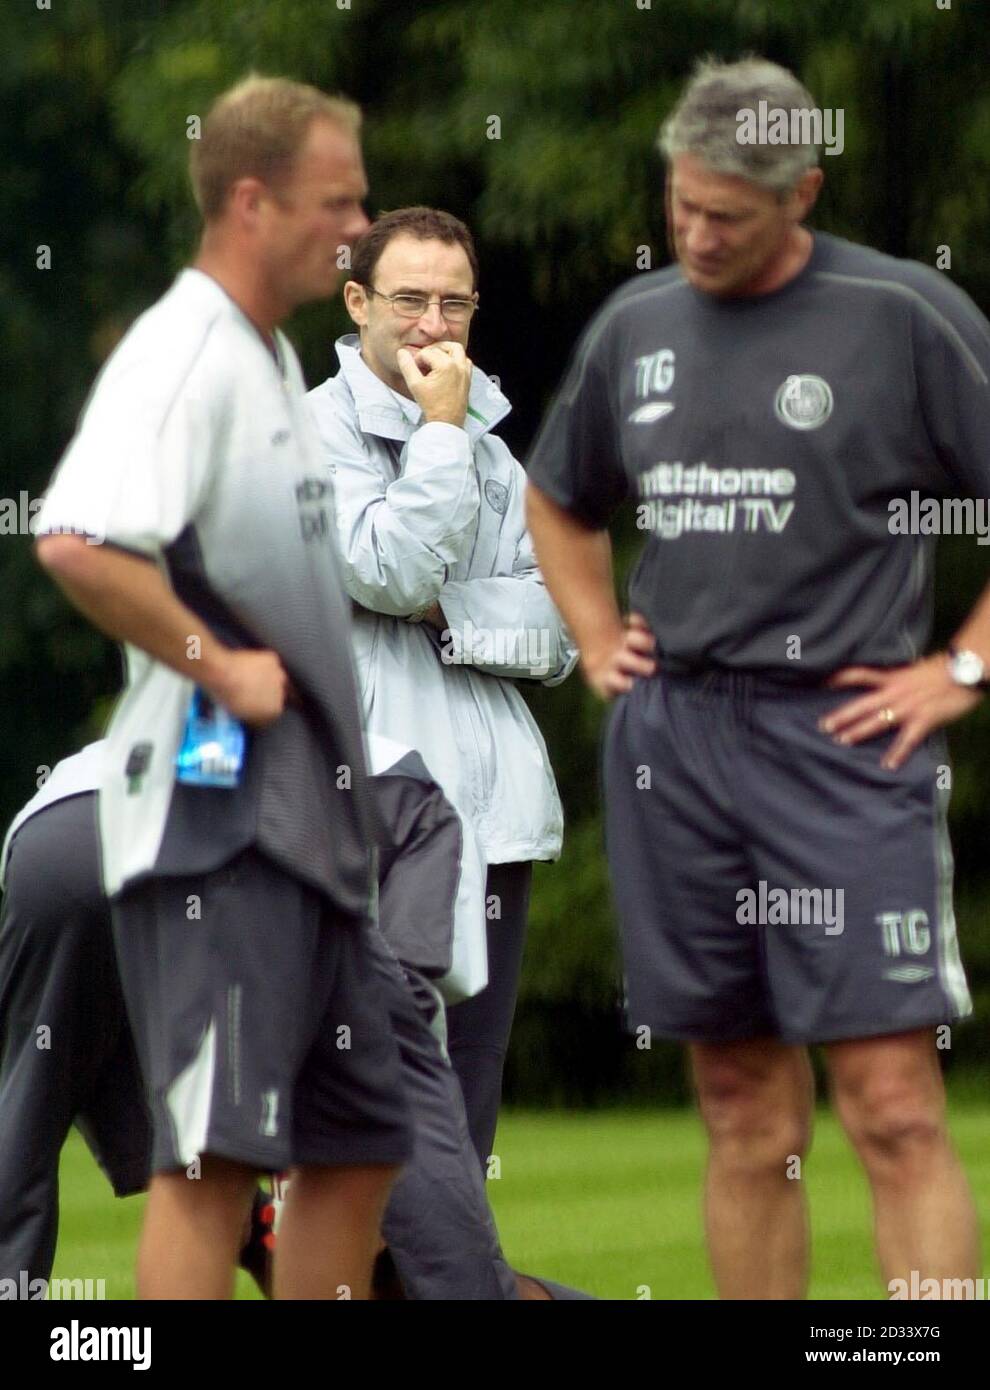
<point>138,468</point>
<point>952,356</point>
<point>508,625</point>
<point>576,459</point>
<point>398,540</point>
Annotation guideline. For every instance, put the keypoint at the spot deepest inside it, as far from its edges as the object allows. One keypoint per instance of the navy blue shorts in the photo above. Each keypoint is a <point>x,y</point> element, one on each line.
<point>260,1024</point>
<point>770,882</point>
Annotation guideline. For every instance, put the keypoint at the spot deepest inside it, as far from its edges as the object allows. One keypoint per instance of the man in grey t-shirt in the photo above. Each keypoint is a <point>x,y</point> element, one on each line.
<point>775,405</point>
<point>240,914</point>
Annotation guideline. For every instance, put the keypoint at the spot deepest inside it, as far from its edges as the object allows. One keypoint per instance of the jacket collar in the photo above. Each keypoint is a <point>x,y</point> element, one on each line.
<point>383,412</point>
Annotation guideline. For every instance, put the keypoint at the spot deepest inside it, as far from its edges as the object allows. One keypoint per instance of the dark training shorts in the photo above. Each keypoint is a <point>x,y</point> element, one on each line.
<point>770,882</point>
<point>261,1028</point>
<point>66,1053</point>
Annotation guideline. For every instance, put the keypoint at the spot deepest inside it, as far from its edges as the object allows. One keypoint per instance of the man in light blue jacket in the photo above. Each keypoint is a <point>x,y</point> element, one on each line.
<point>450,607</point>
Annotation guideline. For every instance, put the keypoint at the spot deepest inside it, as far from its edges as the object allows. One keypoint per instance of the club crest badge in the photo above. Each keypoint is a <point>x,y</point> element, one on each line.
<point>496,495</point>
<point>804,402</point>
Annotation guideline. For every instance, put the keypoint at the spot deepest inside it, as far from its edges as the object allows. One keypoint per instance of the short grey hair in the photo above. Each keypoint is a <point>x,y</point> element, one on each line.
<point>705,122</point>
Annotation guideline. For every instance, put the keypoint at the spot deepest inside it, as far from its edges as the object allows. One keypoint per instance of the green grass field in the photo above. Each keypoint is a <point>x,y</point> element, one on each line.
<point>608,1201</point>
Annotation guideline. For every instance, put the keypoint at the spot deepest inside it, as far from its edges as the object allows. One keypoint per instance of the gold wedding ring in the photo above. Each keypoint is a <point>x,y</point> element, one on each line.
<point>886,715</point>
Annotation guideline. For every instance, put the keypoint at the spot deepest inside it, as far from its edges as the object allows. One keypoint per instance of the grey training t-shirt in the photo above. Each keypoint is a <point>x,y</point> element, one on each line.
<point>197,452</point>
<point>762,441</point>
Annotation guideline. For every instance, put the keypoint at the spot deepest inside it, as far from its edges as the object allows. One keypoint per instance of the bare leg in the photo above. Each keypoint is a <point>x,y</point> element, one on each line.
<point>192,1231</point>
<point>890,1098</point>
<point>531,1290</point>
<point>328,1233</point>
<point>756,1099</point>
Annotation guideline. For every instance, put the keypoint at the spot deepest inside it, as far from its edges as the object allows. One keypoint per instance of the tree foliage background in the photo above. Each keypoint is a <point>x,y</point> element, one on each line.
<point>535,121</point>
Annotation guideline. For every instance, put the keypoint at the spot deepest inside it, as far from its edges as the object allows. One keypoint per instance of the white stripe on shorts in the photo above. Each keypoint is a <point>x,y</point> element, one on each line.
<point>189,1096</point>
<point>950,967</point>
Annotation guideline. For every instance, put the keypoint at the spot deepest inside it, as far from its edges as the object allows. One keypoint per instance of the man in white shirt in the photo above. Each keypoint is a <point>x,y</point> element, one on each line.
<point>240,913</point>
<point>451,610</point>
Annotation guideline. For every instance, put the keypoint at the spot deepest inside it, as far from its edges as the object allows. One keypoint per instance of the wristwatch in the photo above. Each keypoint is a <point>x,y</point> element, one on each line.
<point>968,669</point>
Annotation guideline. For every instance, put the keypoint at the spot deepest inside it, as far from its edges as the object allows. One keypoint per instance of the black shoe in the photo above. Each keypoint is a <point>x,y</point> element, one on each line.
<point>386,1286</point>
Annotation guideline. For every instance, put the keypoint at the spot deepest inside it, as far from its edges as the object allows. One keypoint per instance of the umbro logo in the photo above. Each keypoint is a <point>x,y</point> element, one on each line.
<point>908,974</point>
<point>281,437</point>
<point>653,410</point>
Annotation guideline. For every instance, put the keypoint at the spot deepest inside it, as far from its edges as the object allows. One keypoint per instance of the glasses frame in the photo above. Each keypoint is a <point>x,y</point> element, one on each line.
<point>411,318</point>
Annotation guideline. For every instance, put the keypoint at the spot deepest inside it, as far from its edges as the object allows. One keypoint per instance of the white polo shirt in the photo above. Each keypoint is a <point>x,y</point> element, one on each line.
<point>196,451</point>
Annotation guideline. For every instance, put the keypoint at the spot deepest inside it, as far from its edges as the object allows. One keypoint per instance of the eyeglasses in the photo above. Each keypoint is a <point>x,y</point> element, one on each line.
<point>414,306</point>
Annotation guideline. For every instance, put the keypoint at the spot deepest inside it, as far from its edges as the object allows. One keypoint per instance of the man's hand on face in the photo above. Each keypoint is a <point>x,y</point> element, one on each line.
<point>913,699</point>
<point>613,670</point>
<point>253,686</point>
<point>439,380</point>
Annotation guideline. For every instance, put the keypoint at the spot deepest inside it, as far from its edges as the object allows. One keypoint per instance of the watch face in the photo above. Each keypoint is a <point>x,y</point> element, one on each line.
<point>967,668</point>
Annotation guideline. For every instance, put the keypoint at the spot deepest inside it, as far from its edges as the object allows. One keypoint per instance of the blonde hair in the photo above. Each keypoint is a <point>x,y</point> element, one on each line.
<point>256,130</point>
